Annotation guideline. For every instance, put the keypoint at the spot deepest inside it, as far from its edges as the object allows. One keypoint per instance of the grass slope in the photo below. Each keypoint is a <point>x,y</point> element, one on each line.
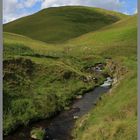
<point>120,36</point>
<point>54,74</point>
<point>115,117</point>
<point>39,80</point>
<point>60,24</point>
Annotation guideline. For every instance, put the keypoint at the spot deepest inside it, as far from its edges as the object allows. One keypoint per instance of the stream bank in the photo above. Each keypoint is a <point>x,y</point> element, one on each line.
<point>60,126</point>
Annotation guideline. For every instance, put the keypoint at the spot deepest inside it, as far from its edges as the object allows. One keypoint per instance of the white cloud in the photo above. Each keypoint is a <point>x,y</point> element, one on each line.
<point>29,3</point>
<point>12,9</point>
<point>126,13</point>
<point>56,3</point>
<point>136,11</point>
<point>13,16</point>
<point>107,4</point>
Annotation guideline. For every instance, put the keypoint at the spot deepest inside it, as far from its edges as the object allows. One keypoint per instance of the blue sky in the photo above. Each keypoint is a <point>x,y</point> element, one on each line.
<point>13,9</point>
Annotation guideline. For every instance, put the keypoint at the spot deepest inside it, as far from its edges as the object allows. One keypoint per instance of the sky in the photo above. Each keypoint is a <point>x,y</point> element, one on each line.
<point>14,9</point>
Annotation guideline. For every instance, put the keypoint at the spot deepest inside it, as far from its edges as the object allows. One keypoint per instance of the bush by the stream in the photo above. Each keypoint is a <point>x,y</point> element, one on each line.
<point>33,91</point>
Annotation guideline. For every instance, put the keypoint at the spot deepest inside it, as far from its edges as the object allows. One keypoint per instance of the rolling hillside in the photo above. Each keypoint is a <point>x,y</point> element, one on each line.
<point>39,80</point>
<point>45,77</point>
<point>54,25</point>
<point>115,117</point>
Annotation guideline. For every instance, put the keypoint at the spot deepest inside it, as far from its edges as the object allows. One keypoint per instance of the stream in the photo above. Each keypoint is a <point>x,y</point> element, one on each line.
<point>60,126</point>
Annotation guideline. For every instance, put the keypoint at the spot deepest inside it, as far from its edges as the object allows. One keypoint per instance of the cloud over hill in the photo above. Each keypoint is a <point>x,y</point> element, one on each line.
<point>13,9</point>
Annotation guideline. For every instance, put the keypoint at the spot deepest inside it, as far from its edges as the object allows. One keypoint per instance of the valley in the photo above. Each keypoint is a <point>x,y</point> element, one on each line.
<point>52,57</point>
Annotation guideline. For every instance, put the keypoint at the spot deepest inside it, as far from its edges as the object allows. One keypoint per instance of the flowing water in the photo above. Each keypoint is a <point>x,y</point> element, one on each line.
<point>60,127</point>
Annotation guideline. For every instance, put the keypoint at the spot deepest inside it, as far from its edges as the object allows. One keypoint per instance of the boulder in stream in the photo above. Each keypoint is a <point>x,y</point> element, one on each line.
<point>79,97</point>
<point>37,133</point>
<point>75,117</point>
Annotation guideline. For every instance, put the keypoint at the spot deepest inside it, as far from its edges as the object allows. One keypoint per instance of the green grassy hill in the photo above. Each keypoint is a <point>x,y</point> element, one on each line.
<point>36,72</point>
<point>54,25</point>
<point>39,79</point>
<point>119,37</point>
<point>115,117</point>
